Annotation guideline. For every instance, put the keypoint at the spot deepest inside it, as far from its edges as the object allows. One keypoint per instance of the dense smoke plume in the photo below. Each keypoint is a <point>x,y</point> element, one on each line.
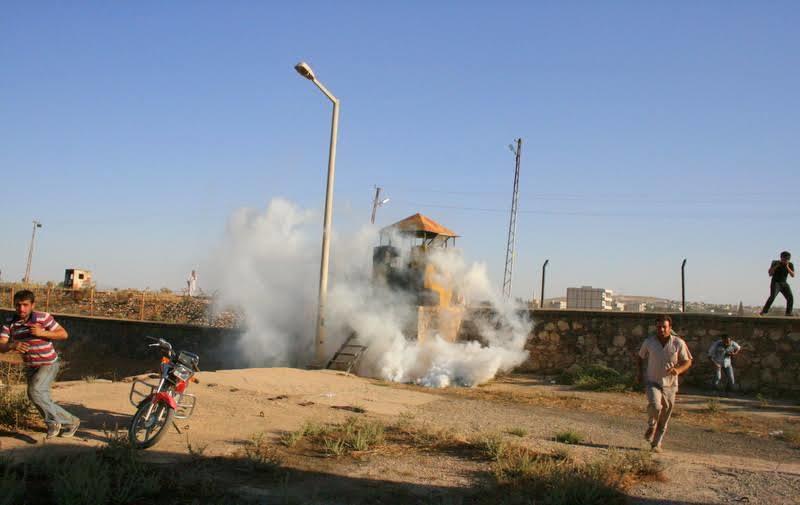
<point>269,266</point>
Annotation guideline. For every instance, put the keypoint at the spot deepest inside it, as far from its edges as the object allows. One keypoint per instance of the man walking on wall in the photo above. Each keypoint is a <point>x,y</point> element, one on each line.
<point>780,270</point>
<point>667,357</point>
<point>31,334</point>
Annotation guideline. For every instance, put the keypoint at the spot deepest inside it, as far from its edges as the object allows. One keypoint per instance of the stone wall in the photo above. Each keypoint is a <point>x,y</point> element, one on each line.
<point>770,357</point>
<point>114,348</point>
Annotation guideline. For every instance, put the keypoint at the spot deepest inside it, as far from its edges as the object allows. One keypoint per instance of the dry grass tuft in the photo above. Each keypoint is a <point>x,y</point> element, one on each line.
<point>568,437</point>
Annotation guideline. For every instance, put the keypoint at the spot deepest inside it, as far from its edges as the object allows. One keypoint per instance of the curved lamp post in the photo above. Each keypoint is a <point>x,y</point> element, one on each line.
<point>305,70</point>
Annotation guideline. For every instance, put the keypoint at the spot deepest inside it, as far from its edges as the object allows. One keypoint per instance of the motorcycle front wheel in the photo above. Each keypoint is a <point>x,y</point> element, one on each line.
<point>149,424</point>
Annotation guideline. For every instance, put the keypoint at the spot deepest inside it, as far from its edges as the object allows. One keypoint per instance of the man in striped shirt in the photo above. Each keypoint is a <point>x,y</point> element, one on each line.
<point>31,333</point>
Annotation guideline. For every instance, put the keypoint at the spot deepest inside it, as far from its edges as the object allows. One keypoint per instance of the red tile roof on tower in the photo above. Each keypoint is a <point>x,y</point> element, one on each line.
<point>419,223</point>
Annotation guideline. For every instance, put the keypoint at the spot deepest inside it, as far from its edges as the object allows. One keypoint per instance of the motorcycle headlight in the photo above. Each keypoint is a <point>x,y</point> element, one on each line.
<point>182,372</point>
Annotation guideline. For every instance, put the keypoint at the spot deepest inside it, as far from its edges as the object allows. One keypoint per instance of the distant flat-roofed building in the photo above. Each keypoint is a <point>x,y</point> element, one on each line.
<point>587,297</point>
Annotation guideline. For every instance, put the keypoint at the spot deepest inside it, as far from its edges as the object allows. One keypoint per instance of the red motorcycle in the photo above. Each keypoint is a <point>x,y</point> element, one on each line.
<point>158,404</point>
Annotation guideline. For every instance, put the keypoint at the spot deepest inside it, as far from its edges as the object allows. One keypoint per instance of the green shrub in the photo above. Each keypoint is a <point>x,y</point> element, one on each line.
<point>597,378</point>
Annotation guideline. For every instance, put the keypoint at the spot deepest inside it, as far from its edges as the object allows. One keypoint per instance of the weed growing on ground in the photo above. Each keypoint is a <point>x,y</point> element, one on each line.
<point>492,446</point>
<point>568,437</point>
<point>792,437</point>
<point>518,432</point>
<point>16,410</point>
<point>262,455</point>
<point>763,401</point>
<point>713,406</point>
<point>558,479</point>
<point>597,378</point>
<point>12,483</point>
<point>195,451</point>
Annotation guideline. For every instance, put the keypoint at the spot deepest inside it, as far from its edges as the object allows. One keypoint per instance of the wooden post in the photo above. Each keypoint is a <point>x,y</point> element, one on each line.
<point>47,300</point>
<point>141,309</point>
<point>91,302</point>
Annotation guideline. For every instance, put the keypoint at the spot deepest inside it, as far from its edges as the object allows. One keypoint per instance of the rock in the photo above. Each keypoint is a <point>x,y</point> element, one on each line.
<point>619,340</point>
<point>794,336</point>
<point>576,325</point>
<point>771,361</point>
<point>563,325</point>
<point>550,326</point>
<point>701,332</point>
<point>714,333</point>
<point>766,376</point>
<point>637,331</point>
<point>758,333</point>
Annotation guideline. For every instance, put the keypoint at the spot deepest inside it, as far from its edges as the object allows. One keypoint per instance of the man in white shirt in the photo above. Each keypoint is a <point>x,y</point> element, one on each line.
<point>720,354</point>
<point>667,357</point>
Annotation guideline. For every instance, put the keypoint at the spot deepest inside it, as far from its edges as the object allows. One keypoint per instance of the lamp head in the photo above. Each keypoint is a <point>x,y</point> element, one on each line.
<point>384,201</point>
<point>305,70</point>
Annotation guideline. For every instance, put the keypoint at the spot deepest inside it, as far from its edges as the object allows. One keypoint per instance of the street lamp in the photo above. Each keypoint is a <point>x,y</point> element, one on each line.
<point>27,278</point>
<point>683,286</point>
<point>304,70</point>
<point>544,271</point>
<point>377,202</point>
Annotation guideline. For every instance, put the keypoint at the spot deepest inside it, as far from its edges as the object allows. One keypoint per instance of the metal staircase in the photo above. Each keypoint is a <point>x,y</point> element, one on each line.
<point>346,358</point>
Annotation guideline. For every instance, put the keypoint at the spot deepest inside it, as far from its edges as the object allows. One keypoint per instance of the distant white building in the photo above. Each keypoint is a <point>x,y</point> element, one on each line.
<point>556,304</point>
<point>587,297</point>
<point>634,307</point>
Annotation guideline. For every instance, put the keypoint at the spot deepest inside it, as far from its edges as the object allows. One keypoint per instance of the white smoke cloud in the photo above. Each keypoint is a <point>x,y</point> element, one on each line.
<point>269,266</point>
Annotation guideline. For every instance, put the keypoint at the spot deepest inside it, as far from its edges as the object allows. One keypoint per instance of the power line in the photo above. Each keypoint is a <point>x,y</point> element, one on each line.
<point>776,215</point>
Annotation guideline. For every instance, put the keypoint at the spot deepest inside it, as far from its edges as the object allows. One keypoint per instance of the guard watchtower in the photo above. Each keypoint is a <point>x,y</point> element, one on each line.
<point>412,258</point>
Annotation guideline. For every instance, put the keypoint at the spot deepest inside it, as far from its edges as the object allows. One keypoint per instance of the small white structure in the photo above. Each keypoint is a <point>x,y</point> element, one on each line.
<point>191,284</point>
<point>75,278</point>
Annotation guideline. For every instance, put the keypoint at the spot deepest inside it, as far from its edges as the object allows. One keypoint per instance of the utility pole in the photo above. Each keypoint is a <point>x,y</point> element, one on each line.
<point>377,202</point>
<point>508,274</point>
<point>27,278</point>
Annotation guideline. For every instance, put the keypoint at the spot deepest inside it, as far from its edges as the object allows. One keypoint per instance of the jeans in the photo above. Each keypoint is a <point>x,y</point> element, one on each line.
<point>784,289</point>
<point>660,400</point>
<point>728,373</point>
<point>39,380</point>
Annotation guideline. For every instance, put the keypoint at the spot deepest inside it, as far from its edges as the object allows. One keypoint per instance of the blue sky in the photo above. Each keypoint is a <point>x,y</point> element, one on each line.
<point>652,132</point>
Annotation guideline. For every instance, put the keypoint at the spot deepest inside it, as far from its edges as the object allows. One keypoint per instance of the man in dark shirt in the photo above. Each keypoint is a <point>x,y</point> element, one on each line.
<point>780,271</point>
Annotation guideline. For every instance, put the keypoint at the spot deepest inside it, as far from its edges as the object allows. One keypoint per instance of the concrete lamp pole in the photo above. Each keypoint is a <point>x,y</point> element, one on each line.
<point>683,286</point>
<point>544,271</point>
<point>305,70</point>
<point>27,278</point>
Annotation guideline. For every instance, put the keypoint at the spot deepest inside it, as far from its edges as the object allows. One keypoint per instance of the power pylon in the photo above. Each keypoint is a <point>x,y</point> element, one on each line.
<point>508,274</point>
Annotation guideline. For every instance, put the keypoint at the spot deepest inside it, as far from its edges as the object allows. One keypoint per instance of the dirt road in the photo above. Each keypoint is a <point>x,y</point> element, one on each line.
<point>705,462</point>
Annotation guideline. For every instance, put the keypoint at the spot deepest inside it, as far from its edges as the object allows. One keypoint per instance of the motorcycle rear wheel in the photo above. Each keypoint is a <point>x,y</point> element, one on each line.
<point>145,430</point>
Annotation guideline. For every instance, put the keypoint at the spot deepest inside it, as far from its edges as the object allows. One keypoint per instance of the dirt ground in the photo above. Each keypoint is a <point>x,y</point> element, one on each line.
<point>719,451</point>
